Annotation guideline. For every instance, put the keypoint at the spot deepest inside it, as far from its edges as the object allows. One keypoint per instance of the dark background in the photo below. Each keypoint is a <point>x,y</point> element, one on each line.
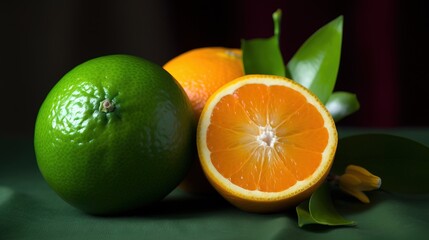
<point>384,55</point>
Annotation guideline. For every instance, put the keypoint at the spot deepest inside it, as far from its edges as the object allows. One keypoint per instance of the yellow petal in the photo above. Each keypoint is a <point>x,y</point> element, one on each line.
<point>357,170</point>
<point>349,180</point>
<point>357,194</point>
<point>369,181</point>
<point>357,179</point>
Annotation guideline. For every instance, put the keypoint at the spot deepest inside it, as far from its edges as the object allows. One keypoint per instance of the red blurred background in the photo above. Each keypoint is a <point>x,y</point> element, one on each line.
<point>384,53</point>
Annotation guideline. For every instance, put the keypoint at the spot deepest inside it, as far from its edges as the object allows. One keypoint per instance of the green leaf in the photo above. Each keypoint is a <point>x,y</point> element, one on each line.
<point>315,65</point>
<point>401,163</point>
<point>263,55</point>
<point>304,216</point>
<point>342,104</point>
<point>320,210</point>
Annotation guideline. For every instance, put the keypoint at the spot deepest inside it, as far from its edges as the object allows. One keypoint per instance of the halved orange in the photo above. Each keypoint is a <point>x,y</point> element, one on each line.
<point>265,142</point>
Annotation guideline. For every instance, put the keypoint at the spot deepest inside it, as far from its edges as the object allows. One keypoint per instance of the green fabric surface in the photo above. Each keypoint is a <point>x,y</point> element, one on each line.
<point>29,209</point>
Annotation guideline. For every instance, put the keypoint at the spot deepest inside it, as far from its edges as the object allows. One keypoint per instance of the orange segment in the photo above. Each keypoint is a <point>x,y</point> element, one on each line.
<point>255,110</point>
<point>275,175</point>
<point>308,117</point>
<point>319,135</point>
<point>236,118</point>
<point>281,108</point>
<point>265,142</point>
<point>300,161</point>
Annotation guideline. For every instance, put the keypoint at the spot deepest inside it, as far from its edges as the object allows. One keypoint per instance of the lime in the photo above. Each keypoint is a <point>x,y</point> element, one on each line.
<point>116,133</point>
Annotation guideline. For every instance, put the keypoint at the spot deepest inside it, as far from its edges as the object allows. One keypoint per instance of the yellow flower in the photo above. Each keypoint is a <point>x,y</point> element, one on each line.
<point>356,180</point>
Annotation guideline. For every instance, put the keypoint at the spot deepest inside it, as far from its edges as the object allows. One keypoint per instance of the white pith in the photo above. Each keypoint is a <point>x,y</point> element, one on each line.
<point>267,136</point>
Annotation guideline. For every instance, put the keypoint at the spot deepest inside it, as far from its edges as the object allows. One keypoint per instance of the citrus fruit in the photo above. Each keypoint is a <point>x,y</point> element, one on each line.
<point>265,142</point>
<point>201,72</point>
<point>114,134</point>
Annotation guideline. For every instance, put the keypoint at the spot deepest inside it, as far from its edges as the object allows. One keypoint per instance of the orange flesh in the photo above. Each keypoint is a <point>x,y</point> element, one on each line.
<point>266,138</point>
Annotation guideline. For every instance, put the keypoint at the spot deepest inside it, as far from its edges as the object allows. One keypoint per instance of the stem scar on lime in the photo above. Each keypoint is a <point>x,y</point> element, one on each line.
<point>107,106</point>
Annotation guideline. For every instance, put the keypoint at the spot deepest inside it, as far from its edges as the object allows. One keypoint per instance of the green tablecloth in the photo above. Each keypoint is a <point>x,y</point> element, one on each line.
<point>29,209</point>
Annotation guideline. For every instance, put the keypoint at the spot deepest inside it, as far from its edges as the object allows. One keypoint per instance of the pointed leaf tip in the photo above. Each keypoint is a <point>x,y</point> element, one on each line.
<point>319,209</point>
<point>277,16</point>
<point>263,55</point>
<point>322,208</point>
<point>342,104</point>
<point>316,63</point>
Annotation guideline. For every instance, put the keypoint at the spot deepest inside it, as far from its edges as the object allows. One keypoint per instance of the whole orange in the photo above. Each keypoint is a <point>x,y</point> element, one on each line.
<point>201,72</point>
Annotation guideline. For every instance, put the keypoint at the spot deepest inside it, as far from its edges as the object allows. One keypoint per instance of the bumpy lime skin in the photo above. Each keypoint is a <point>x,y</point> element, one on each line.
<point>110,162</point>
